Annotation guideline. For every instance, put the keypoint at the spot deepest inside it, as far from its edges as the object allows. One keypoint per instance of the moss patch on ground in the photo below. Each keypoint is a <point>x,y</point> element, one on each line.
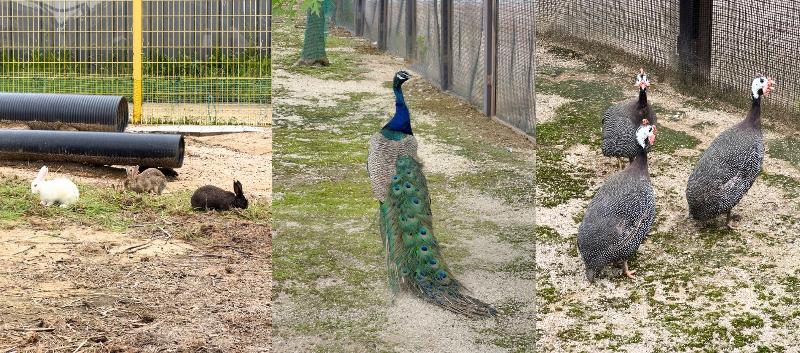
<point>787,149</point>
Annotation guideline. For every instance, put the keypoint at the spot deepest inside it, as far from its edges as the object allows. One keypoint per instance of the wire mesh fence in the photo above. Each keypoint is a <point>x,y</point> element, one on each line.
<point>204,61</point>
<point>469,50</point>
<point>516,48</point>
<point>456,45</point>
<point>701,44</point>
<point>428,41</point>
<point>65,47</point>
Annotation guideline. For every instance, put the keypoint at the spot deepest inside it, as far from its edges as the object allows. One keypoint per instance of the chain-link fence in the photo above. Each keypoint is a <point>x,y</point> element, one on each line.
<point>712,48</point>
<point>481,50</point>
<point>203,61</point>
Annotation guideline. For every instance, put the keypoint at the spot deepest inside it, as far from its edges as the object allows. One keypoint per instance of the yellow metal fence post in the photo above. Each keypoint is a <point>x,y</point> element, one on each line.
<point>137,61</point>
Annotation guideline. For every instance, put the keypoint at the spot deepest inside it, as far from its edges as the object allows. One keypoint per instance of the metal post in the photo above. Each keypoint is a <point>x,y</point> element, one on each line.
<point>447,44</point>
<point>704,10</point>
<point>490,91</point>
<point>359,18</point>
<point>269,30</point>
<point>137,61</point>
<point>411,27</point>
<point>694,40</point>
<point>383,14</point>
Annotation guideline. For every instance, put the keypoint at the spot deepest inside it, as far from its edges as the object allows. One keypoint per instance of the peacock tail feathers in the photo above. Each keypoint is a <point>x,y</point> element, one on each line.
<point>413,256</point>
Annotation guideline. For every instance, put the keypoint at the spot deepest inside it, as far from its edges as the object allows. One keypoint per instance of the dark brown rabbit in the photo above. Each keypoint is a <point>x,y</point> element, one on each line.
<point>211,197</point>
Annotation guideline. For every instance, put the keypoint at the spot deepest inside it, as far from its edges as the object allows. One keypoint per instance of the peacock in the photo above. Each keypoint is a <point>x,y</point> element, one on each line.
<point>620,214</point>
<point>413,257</point>
<point>730,165</point>
<point>621,121</point>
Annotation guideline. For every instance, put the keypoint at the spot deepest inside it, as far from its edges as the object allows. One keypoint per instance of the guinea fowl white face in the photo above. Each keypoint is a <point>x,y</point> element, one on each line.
<point>641,80</point>
<point>762,85</point>
<point>646,132</point>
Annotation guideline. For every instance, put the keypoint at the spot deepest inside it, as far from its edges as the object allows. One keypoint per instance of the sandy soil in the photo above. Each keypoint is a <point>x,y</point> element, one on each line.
<point>191,282</point>
<point>701,311</point>
<point>135,292</point>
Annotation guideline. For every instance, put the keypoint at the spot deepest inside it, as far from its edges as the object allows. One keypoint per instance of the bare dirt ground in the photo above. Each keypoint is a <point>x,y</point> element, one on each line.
<point>698,290</point>
<point>126,273</point>
<point>330,277</point>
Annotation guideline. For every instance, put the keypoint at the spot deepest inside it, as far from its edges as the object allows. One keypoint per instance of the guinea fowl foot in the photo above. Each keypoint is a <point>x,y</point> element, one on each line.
<point>732,221</point>
<point>630,274</point>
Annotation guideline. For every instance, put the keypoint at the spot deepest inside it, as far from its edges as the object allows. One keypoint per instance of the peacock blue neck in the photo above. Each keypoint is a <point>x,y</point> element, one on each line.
<point>400,125</point>
<point>393,135</point>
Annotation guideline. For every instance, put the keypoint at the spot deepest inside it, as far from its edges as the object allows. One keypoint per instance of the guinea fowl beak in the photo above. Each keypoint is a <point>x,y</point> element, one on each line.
<point>769,87</point>
<point>652,137</point>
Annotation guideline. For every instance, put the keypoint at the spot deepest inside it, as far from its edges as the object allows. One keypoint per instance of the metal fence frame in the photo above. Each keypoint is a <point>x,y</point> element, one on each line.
<point>184,61</point>
<point>487,95</point>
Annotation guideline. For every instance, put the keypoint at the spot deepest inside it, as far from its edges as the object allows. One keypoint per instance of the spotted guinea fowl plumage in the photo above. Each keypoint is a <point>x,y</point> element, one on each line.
<point>730,165</point>
<point>621,121</point>
<point>619,216</point>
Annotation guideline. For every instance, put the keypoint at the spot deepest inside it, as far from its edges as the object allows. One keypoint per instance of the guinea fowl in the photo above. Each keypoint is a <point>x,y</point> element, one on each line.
<point>620,122</point>
<point>413,257</point>
<point>621,213</point>
<point>730,165</point>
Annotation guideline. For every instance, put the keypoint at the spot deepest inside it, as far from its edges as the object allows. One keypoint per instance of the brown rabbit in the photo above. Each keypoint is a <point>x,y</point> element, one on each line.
<point>151,180</point>
<point>210,197</point>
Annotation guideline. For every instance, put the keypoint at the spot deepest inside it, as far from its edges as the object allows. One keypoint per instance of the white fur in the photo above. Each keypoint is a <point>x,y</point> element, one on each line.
<point>758,83</point>
<point>61,190</point>
<point>643,133</point>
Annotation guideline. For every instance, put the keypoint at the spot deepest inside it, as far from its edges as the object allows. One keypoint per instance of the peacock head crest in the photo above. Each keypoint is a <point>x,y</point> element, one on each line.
<point>762,86</point>
<point>400,77</point>
<point>646,134</point>
<point>642,81</point>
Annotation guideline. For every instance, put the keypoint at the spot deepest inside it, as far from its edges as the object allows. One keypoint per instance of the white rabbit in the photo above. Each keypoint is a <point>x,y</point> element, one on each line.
<point>59,190</point>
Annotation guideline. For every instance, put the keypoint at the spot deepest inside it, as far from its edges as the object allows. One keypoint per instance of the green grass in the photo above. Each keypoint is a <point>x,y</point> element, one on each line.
<point>576,122</point>
<point>557,181</point>
<point>103,207</point>
<point>209,91</point>
<point>547,235</point>
<point>669,140</point>
<point>789,185</point>
<point>219,78</point>
<point>344,66</point>
<point>787,149</point>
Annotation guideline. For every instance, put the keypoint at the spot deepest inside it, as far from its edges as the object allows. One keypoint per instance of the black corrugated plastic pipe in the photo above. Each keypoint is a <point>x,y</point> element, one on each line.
<point>104,148</point>
<point>45,111</point>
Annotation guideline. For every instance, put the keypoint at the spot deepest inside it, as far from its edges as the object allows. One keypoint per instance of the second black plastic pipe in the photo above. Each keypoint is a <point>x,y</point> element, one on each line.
<point>103,148</point>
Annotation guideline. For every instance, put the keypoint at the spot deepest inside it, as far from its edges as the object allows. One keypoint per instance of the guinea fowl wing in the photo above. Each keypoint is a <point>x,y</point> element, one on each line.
<point>730,164</point>
<point>617,219</point>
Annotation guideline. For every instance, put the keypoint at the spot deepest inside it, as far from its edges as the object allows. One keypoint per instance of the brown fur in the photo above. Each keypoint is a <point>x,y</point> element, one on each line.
<point>151,180</point>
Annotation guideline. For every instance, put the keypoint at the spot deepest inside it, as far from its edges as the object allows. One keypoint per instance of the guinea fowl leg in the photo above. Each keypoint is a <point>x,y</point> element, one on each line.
<point>732,218</point>
<point>629,273</point>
